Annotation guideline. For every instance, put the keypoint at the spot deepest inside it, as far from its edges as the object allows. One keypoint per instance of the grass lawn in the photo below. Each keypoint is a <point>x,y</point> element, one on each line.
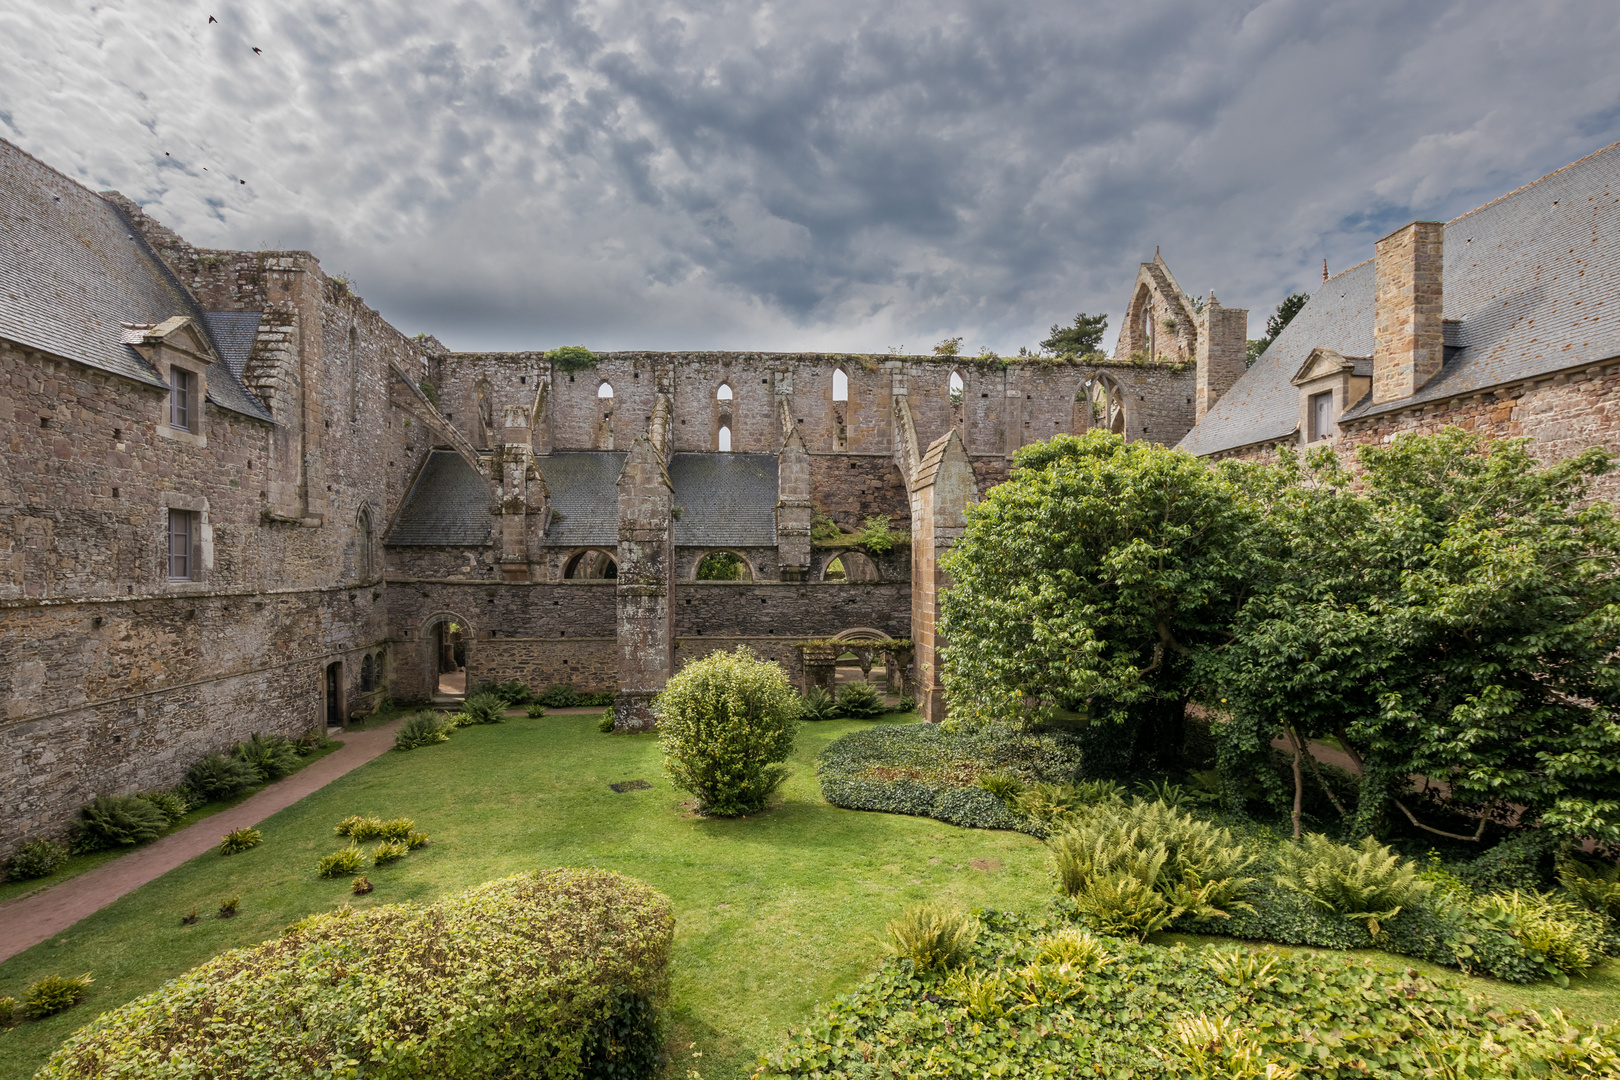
<point>775,913</point>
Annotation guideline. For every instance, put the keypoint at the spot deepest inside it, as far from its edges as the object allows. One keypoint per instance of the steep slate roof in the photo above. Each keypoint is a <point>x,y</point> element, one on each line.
<point>72,269</point>
<point>1534,279</point>
<point>728,500</point>
<point>448,506</point>
<point>585,492</point>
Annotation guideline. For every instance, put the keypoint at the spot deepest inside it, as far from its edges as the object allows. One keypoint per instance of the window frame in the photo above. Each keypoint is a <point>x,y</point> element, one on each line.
<point>1314,404</point>
<point>182,399</point>
<point>188,520</point>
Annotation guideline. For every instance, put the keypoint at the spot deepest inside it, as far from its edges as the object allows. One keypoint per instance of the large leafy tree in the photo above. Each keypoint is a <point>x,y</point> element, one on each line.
<point>1092,580</point>
<point>1085,336</point>
<point>1455,615</point>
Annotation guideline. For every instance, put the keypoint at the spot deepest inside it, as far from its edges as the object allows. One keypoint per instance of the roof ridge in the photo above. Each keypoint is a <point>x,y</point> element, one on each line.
<point>1533,183</point>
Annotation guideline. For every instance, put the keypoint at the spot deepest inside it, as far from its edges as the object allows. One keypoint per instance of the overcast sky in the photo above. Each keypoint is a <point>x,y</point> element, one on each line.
<point>806,175</point>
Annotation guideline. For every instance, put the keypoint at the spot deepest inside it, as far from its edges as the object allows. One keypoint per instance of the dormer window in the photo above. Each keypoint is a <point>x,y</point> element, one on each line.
<point>183,391</point>
<point>1322,415</point>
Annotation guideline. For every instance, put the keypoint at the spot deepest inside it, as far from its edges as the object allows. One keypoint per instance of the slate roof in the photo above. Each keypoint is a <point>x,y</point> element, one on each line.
<point>728,500</point>
<point>72,269</point>
<point>448,506</point>
<point>1532,278</point>
<point>584,489</point>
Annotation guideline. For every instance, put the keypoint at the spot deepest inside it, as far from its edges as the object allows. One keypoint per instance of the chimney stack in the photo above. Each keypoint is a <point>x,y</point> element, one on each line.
<point>1408,332</point>
<point>1220,354</point>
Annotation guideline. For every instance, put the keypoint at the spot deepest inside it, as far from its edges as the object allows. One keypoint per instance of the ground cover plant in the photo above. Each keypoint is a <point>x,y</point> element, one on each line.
<point>1033,998</point>
<point>774,912</point>
<point>554,974</point>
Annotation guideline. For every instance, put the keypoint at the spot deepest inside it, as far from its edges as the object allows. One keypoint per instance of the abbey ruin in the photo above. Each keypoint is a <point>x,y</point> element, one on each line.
<point>237,500</point>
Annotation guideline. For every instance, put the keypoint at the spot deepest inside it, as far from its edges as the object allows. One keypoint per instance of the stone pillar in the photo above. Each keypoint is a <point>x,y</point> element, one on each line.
<point>512,468</point>
<point>820,666</point>
<point>793,508</point>
<point>646,558</point>
<point>1408,329</point>
<point>1222,349</point>
<point>1013,415</point>
<point>941,492</point>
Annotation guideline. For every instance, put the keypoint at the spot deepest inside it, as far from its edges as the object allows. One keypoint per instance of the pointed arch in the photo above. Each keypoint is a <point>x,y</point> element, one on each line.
<point>365,544</point>
<point>723,439</point>
<point>1105,402</point>
<point>723,393</point>
<point>604,392</point>
<point>840,382</point>
<point>957,386</point>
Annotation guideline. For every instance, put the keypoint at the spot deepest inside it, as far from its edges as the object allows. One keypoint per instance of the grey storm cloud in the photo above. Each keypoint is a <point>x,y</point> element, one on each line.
<point>832,175</point>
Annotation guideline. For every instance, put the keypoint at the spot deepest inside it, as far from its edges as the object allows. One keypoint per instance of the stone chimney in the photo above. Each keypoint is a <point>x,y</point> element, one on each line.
<point>1220,353</point>
<point>1408,333</point>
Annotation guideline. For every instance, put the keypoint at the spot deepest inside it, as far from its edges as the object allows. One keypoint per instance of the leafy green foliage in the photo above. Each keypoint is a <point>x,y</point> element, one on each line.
<point>422,729</point>
<point>1003,785</point>
<point>512,693</point>
<point>878,537</point>
<point>118,821</point>
<point>342,862</point>
<point>563,696</point>
<point>1014,1010</point>
<point>526,976</point>
<point>818,705</point>
<point>414,839</point>
<point>36,859</point>
<point>721,566</point>
<point>229,906</point>
<point>859,701</point>
<point>1085,336</point>
<point>173,804</point>
<point>1092,579</point>
<point>389,851</point>
<point>725,724</point>
<point>606,723</point>
<point>534,710</point>
<point>1555,932</point>
<point>357,827</point>
<point>484,708</point>
<point>933,937</point>
<point>396,828</point>
<point>823,527</point>
<point>1366,882</point>
<point>219,777</point>
<point>1275,324</point>
<point>951,346</point>
<point>1133,869</point>
<point>270,756</point>
<point>8,1011</point>
<point>571,358</point>
<point>361,886</point>
<point>932,770</point>
<point>1594,887</point>
<point>239,840</point>
<point>53,994</point>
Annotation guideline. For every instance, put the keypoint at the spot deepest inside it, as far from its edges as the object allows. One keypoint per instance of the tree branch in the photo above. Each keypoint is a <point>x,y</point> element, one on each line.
<point>1316,771</point>
<point>1479,833</point>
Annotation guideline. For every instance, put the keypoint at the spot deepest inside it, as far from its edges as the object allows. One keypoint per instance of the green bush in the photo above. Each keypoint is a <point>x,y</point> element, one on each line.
<point>118,821</point>
<point>360,828</point>
<point>173,804</point>
<point>559,696</point>
<point>239,840</point>
<point>54,994</point>
<point>1003,785</point>
<point>1017,1010</point>
<point>930,770</point>
<point>1133,869</point>
<point>8,1011</point>
<point>1594,887</point>
<point>605,723</point>
<point>534,710</point>
<point>415,840</point>
<point>818,705</point>
<point>36,859</point>
<point>726,722</point>
<point>513,692</point>
<point>1366,882</point>
<point>859,701</point>
<point>1524,860</point>
<point>270,756</point>
<point>933,937</point>
<point>342,862</point>
<point>485,708</point>
<point>389,851</point>
<point>422,729</point>
<point>598,697</point>
<point>219,777</point>
<point>395,828</point>
<point>552,975</point>
<point>348,825</point>
<point>1561,936</point>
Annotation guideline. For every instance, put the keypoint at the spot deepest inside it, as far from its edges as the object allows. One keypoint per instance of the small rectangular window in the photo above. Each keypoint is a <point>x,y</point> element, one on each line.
<point>1321,415</point>
<point>180,561</point>
<point>180,398</point>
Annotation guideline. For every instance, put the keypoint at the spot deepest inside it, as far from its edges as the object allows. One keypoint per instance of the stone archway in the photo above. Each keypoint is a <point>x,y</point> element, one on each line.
<point>445,647</point>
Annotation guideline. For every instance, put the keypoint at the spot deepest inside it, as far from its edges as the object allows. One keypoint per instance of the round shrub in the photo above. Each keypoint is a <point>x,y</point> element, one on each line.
<point>54,994</point>
<point>389,851</point>
<point>395,828</point>
<point>36,859</point>
<point>239,840</point>
<point>220,777</point>
<point>118,821</point>
<point>725,724</point>
<point>342,862</point>
<point>422,729</point>
<point>270,756</point>
<point>860,701</point>
<point>551,975</point>
<point>487,707</point>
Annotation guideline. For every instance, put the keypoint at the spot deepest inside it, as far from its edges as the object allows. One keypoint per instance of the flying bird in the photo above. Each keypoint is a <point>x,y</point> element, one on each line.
<point>244,181</point>
<point>257,51</point>
<point>212,19</point>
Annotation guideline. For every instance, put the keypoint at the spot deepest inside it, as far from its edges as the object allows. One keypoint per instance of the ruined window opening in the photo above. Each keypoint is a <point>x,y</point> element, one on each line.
<point>958,387</point>
<point>354,376</point>
<point>591,565</point>
<point>605,392</point>
<point>840,385</point>
<point>723,566</point>
<point>181,562</point>
<point>850,566</point>
<point>1104,402</point>
<point>724,393</point>
<point>183,384</point>
<point>724,439</point>
<point>368,675</point>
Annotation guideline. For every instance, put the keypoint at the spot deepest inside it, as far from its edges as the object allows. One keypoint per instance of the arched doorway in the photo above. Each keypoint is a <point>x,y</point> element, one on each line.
<point>447,641</point>
<point>723,566</point>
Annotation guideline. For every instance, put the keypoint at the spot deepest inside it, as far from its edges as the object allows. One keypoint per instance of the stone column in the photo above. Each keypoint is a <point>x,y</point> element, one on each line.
<point>793,508</point>
<point>1408,329</point>
<point>513,464</point>
<point>646,558</point>
<point>942,491</point>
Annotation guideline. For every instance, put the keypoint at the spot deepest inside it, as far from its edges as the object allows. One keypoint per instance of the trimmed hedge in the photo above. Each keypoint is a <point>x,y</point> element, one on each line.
<point>555,974</point>
<point>1025,1006</point>
<point>928,771</point>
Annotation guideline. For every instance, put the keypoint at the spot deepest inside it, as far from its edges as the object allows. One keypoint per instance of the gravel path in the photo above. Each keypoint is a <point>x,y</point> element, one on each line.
<point>29,920</point>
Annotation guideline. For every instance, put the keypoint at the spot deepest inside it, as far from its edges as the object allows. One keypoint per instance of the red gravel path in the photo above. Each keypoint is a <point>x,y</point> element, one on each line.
<point>29,920</point>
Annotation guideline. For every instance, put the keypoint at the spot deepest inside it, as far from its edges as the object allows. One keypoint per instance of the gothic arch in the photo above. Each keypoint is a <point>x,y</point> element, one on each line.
<point>365,544</point>
<point>441,650</point>
<point>1105,405</point>
<point>591,564</point>
<point>738,560</point>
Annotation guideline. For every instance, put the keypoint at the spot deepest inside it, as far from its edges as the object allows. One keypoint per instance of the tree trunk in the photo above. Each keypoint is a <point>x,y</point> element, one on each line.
<point>1299,781</point>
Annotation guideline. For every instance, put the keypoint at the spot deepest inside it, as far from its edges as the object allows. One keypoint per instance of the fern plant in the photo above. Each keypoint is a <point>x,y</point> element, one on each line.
<point>1074,947</point>
<point>1596,888</point>
<point>860,701</point>
<point>1366,882</point>
<point>389,851</point>
<point>1003,785</point>
<point>423,729</point>
<point>173,804</point>
<point>934,937</point>
<point>118,821</point>
<point>239,840</point>
<point>54,993</point>
<point>270,756</point>
<point>1124,903</point>
<point>342,862</point>
<point>1557,933</point>
<point>818,705</point>
<point>487,707</point>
